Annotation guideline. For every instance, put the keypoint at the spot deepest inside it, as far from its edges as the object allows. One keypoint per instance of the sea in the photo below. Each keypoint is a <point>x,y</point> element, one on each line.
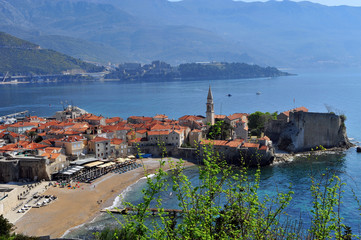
<point>336,90</point>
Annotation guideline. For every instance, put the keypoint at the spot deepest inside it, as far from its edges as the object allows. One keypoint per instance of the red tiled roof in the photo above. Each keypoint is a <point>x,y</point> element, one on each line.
<point>237,116</point>
<point>233,144</point>
<point>299,109</point>
<point>135,140</point>
<point>251,145</point>
<point>162,116</point>
<point>33,146</point>
<point>112,120</point>
<point>152,133</point>
<point>75,138</point>
<point>142,131</point>
<point>23,124</point>
<point>51,156</point>
<point>160,127</point>
<point>190,118</point>
<point>52,149</point>
<point>116,141</point>
<point>99,139</point>
<point>141,118</point>
<point>264,148</point>
<point>93,118</point>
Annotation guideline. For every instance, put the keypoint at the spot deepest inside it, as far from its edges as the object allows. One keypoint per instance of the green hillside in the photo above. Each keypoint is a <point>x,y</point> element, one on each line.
<point>22,57</point>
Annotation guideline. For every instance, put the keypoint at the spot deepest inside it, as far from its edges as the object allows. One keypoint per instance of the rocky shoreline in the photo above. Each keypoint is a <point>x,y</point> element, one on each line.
<point>289,157</point>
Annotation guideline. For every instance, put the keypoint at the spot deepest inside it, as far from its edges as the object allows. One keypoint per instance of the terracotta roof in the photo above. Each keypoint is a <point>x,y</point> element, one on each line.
<point>251,145</point>
<point>236,116</point>
<point>2,134</point>
<point>190,118</point>
<point>23,124</point>
<point>141,118</point>
<point>152,133</point>
<point>49,142</point>
<point>52,149</point>
<point>135,140</point>
<point>75,138</point>
<point>33,146</point>
<point>299,109</point>
<point>51,156</point>
<point>178,131</point>
<point>9,147</point>
<point>116,141</point>
<point>142,131</point>
<point>93,118</point>
<point>160,127</point>
<point>233,144</point>
<point>99,139</point>
<point>264,148</point>
<point>112,120</point>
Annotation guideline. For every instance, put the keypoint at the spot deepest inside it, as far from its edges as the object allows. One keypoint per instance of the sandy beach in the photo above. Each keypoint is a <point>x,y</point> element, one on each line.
<point>77,206</point>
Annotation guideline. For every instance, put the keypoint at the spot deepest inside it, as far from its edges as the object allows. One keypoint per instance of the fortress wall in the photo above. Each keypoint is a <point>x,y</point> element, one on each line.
<point>274,128</point>
<point>34,169</point>
<point>316,129</point>
<point>9,171</point>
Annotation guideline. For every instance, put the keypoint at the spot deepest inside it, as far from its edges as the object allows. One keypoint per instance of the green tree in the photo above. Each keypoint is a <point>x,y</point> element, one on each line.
<point>219,131</point>
<point>257,121</point>
<point>5,226</point>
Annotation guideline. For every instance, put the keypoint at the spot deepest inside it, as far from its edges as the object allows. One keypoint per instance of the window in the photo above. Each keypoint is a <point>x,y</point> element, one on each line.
<point>98,144</point>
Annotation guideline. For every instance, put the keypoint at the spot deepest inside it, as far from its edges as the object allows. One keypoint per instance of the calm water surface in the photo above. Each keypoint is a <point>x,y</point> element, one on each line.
<point>338,89</point>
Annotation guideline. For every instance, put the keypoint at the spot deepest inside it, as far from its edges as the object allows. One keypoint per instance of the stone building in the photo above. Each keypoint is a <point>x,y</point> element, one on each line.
<point>101,147</point>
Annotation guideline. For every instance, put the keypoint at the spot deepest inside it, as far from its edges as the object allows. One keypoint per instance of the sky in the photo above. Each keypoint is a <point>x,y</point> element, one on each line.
<point>324,2</point>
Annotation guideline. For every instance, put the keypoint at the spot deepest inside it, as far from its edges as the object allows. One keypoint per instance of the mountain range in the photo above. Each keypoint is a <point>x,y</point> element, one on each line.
<point>284,34</point>
<point>19,57</point>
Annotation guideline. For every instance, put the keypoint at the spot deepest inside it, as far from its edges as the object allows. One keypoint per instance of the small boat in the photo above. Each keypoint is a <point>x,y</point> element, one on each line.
<point>229,95</point>
<point>258,93</point>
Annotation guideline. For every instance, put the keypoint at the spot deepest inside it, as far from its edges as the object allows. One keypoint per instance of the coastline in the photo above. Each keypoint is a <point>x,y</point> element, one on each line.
<point>285,157</point>
<point>76,207</point>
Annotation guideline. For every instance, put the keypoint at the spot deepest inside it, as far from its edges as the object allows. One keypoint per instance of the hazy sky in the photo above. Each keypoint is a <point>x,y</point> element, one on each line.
<point>324,2</point>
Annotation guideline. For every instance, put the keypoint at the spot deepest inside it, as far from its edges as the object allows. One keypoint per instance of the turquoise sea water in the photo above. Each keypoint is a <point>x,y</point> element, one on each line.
<point>338,89</point>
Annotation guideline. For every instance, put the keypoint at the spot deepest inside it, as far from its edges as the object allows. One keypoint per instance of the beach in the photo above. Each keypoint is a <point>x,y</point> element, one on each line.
<point>77,206</point>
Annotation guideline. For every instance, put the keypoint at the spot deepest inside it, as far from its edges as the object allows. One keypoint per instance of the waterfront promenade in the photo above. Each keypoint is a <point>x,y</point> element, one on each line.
<point>77,206</point>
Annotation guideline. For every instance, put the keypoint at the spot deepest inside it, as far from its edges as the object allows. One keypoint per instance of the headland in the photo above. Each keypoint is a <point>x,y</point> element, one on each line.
<point>78,148</point>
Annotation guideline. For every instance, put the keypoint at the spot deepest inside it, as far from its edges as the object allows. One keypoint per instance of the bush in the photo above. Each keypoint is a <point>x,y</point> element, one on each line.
<point>240,215</point>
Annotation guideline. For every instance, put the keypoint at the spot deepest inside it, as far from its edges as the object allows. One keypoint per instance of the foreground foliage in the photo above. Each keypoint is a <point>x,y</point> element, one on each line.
<point>227,205</point>
<point>6,231</point>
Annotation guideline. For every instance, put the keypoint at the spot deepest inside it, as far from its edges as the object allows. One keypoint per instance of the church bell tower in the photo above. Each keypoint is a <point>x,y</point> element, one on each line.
<point>210,107</point>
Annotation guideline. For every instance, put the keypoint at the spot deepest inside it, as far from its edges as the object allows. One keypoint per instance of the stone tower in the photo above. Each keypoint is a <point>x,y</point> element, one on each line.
<point>210,107</point>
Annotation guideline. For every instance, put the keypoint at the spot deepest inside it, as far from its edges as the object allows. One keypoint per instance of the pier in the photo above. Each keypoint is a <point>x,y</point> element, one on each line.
<point>14,114</point>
